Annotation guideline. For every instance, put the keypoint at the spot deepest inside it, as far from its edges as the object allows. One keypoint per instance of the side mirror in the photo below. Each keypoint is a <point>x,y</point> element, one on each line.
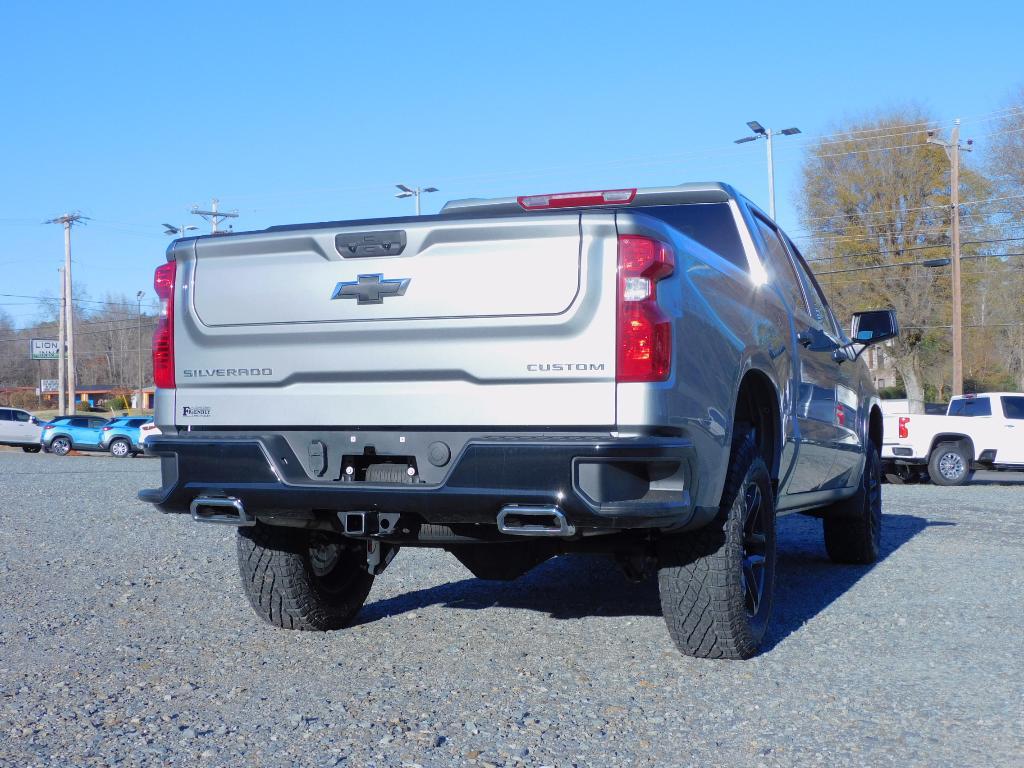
<point>874,326</point>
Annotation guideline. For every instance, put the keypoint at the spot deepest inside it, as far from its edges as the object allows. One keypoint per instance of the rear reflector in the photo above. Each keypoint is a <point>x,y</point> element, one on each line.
<point>904,431</point>
<point>163,336</point>
<point>577,199</point>
<point>644,331</point>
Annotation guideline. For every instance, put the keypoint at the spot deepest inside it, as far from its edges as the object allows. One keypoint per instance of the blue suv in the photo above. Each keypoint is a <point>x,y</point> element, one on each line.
<point>121,436</point>
<point>66,432</point>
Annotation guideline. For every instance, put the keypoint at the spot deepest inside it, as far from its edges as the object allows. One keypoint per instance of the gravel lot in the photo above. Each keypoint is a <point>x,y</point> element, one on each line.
<point>125,639</point>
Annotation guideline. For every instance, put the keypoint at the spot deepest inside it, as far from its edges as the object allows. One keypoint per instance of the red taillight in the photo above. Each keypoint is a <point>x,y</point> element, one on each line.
<point>576,199</point>
<point>644,332</point>
<point>904,421</point>
<point>163,336</point>
<point>107,429</point>
<point>48,426</point>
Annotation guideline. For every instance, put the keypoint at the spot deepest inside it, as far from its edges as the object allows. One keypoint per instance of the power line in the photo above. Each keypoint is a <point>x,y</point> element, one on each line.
<point>126,327</point>
<point>913,248</point>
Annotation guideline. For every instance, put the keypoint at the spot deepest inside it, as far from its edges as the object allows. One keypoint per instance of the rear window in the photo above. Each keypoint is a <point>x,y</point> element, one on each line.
<point>138,422</point>
<point>1013,407</point>
<point>710,224</point>
<point>975,406</point>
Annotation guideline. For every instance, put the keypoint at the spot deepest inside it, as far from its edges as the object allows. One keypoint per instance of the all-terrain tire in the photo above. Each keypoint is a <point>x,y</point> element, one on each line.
<point>291,584</point>
<point>853,527</point>
<point>703,577</point>
<point>949,464</point>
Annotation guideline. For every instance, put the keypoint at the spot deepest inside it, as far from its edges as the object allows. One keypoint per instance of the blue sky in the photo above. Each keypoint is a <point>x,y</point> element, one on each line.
<point>131,113</point>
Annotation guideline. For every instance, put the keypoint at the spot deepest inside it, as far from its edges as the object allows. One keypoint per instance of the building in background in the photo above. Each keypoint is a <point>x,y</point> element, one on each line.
<point>883,374</point>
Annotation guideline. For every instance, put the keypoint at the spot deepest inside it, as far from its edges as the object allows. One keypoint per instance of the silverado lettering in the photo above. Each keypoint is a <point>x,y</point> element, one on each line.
<point>209,372</point>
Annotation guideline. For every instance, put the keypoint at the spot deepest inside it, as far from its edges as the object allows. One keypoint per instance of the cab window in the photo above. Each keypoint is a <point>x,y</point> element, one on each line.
<point>819,307</point>
<point>779,266</point>
<point>1013,407</point>
<point>971,406</point>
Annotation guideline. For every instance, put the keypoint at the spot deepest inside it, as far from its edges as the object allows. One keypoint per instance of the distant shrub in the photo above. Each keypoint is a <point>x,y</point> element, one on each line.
<point>897,392</point>
<point>119,403</point>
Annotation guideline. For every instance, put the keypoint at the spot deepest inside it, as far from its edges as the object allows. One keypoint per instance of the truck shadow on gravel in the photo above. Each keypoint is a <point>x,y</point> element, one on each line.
<point>577,586</point>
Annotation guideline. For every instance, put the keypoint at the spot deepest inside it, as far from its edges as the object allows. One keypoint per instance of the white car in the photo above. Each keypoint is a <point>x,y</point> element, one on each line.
<point>983,431</point>
<point>20,429</point>
<point>148,429</point>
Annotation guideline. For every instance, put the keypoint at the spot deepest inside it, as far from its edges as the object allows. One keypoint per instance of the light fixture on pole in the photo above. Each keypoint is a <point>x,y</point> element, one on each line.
<point>170,229</point>
<point>760,132</point>
<point>414,192</point>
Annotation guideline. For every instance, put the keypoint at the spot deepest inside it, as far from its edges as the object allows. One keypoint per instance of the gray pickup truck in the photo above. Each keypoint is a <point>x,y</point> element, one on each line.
<point>648,373</point>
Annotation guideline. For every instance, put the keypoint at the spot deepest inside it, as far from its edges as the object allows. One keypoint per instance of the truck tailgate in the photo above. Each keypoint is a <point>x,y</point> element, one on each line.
<point>474,322</point>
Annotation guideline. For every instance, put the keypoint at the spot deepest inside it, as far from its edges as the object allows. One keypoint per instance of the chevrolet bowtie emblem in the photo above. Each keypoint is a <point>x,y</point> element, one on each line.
<point>370,289</point>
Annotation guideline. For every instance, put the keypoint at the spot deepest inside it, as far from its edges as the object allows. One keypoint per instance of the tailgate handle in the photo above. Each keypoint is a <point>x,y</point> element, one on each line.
<point>357,245</point>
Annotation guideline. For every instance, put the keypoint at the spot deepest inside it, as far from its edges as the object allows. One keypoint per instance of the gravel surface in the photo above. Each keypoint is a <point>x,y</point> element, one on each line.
<point>125,639</point>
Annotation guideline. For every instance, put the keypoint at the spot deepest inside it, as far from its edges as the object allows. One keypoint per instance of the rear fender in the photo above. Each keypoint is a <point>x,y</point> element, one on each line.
<point>953,437</point>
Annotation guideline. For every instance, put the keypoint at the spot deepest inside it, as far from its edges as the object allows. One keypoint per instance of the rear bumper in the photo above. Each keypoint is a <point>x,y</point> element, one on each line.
<point>598,482</point>
<point>901,454</point>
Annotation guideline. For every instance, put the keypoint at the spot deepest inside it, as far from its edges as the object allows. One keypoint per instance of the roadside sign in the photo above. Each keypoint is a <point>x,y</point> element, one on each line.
<point>49,385</point>
<point>45,349</point>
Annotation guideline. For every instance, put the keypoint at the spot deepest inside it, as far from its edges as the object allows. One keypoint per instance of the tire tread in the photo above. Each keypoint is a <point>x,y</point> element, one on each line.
<point>280,585</point>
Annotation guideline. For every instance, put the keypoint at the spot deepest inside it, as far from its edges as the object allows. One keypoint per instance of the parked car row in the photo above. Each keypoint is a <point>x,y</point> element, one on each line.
<point>121,437</point>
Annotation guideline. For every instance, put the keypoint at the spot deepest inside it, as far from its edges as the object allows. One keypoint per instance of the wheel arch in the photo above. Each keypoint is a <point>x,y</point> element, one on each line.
<point>953,437</point>
<point>757,404</point>
<point>876,428</point>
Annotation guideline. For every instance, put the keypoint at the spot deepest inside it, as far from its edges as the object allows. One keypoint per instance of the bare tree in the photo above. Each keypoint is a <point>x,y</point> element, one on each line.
<point>876,196</point>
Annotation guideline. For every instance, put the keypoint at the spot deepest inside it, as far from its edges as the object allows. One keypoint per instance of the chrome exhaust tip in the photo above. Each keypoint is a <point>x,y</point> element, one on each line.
<point>516,520</point>
<point>223,510</point>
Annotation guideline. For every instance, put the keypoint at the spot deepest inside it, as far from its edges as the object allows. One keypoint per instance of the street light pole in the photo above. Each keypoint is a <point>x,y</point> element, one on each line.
<point>141,402</point>
<point>953,149</point>
<point>760,132</point>
<point>415,192</point>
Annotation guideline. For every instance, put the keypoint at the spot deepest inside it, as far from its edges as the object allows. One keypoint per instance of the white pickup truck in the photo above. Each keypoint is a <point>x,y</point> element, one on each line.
<point>978,431</point>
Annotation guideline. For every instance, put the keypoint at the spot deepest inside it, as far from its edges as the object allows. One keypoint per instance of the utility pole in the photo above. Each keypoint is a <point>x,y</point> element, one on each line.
<point>61,394</point>
<point>414,192</point>
<point>760,132</point>
<point>141,403</point>
<point>213,215</point>
<point>953,150</point>
<point>69,220</point>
